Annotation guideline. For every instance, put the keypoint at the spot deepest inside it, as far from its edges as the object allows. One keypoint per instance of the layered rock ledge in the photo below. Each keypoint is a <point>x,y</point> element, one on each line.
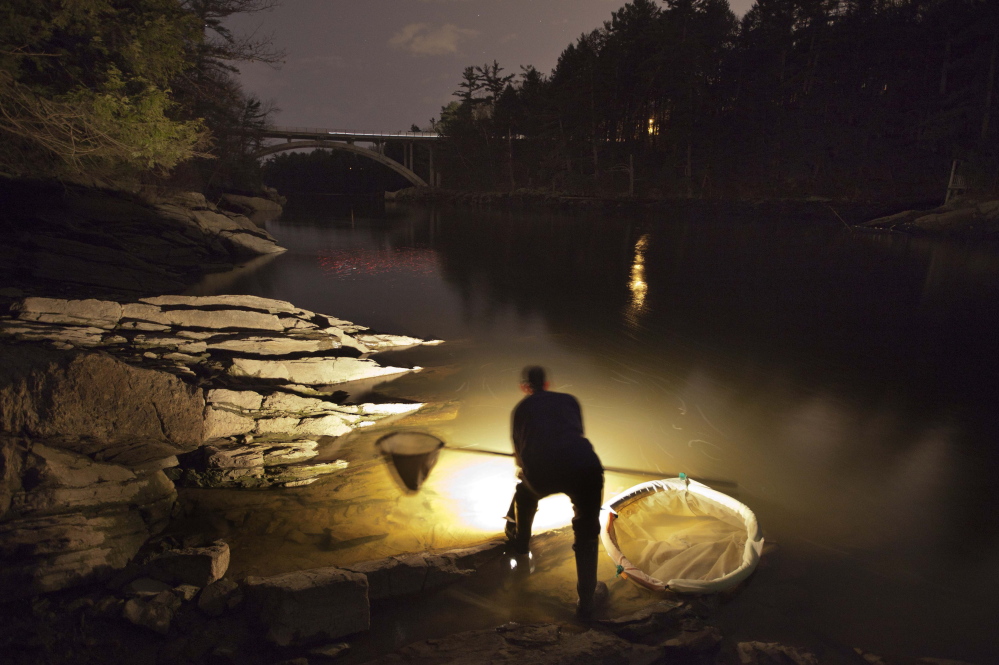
<point>72,240</point>
<point>105,405</point>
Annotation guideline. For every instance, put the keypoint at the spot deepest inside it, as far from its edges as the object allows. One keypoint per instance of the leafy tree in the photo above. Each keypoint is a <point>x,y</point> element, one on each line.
<point>84,86</point>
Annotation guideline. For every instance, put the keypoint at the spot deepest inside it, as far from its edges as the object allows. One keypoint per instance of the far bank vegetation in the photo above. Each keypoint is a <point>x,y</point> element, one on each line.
<point>831,98</point>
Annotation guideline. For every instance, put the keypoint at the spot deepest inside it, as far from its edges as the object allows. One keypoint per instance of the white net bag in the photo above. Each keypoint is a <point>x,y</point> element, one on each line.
<point>681,535</point>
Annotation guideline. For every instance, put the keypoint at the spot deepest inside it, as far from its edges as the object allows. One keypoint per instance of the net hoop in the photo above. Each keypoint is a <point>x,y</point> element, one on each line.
<point>627,570</point>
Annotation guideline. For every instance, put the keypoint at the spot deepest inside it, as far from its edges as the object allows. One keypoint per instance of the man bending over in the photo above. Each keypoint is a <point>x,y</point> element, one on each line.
<point>554,457</point>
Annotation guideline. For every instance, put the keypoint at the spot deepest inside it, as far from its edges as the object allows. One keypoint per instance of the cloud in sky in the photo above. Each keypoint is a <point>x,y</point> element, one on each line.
<point>425,39</point>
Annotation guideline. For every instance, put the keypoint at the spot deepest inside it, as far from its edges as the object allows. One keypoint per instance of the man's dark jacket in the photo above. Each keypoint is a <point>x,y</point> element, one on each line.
<point>548,441</point>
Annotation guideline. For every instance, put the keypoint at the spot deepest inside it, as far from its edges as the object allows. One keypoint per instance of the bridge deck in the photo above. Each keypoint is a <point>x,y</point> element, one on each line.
<point>322,134</point>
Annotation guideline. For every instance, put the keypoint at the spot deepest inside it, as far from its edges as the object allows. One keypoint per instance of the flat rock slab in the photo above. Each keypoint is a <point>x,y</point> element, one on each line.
<point>197,566</point>
<point>309,606</point>
<point>311,371</point>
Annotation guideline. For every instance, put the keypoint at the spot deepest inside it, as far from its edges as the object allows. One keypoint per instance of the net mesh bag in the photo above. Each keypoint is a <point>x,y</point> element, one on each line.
<point>681,535</point>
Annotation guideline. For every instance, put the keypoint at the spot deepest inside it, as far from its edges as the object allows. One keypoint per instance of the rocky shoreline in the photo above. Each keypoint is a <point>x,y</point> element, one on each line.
<point>968,218</point>
<point>112,408</point>
<point>75,241</point>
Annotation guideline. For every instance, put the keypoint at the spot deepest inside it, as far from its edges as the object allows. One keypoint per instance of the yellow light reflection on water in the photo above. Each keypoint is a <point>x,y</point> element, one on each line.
<point>639,288</point>
<point>475,490</point>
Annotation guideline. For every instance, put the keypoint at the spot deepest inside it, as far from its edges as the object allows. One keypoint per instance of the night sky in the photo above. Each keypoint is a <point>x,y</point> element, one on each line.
<point>383,65</point>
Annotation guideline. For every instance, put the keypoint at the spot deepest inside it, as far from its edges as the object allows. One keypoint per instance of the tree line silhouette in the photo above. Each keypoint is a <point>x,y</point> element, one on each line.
<point>860,99</point>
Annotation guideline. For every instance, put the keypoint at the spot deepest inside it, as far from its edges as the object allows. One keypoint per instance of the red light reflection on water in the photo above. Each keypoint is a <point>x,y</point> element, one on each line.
<point>357,261</point>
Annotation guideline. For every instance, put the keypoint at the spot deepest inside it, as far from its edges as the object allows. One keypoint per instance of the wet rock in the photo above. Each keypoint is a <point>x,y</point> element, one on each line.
<point>198,566</point>
<point>219,597</point>
<point>309,605</point>
<point>772,653</point>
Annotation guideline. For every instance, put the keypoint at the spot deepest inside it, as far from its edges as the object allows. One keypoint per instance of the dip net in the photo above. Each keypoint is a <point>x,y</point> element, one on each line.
<point>681,535</point>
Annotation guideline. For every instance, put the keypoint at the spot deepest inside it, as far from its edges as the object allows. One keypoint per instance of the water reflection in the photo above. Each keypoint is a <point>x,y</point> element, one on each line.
<point>845,381</point>
<point>637,284</point>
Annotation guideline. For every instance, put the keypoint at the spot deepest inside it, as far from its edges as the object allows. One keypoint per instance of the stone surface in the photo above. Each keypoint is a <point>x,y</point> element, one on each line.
<point>247,205</point>
<point>772,653</point>
<point>309,606</point>
<point>112,428</point>
<point>95,313</point>
<point>77,521</point>
<point>219,597</point>
<point>61,235</point>
<point>51,394</point>
<point>311,371</point>
<point>198,566</point>
<point>424,571</point>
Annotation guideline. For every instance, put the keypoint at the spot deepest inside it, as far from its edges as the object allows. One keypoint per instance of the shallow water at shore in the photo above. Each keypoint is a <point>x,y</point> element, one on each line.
<point>843,380</point>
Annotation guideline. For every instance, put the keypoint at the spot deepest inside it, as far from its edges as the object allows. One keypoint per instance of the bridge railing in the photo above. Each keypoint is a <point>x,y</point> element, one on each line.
<point>347,133</point>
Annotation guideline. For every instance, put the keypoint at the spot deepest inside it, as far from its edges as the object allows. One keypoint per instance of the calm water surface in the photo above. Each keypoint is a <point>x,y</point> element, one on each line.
<point>844,380</point>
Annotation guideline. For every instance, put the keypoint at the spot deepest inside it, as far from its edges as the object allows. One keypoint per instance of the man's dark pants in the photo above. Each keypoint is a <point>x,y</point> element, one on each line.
<point>585,489</point>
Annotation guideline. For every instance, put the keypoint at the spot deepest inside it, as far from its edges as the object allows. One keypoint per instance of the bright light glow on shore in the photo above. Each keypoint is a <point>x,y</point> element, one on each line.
<point>475,491</point>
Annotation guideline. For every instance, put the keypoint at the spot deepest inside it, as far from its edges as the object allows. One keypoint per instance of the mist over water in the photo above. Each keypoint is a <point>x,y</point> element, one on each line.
<point>843,380</point>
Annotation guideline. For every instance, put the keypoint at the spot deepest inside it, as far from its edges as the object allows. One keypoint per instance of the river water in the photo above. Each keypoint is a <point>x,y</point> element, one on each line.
<point>844,381</point>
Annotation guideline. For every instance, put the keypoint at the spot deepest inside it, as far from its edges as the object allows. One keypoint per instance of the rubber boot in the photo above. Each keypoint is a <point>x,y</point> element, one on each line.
<point>591,593</point>
<point>520,520</point>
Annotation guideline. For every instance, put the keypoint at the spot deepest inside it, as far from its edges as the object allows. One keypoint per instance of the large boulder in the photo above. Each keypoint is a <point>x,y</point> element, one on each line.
<point>87,400</point>
<point>309,606</point>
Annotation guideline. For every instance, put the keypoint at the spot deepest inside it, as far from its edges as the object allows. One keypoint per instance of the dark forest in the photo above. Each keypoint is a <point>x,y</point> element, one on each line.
<point>855,99</point>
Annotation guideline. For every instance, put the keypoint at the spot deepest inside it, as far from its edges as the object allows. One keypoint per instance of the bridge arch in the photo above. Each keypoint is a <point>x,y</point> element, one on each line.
<point>345,147</point>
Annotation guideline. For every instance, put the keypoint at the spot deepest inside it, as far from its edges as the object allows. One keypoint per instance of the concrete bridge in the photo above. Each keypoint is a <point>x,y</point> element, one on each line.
<point>331,139</point>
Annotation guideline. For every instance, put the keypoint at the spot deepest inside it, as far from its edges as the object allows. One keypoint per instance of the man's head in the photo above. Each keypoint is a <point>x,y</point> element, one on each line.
<point>533,379</point>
